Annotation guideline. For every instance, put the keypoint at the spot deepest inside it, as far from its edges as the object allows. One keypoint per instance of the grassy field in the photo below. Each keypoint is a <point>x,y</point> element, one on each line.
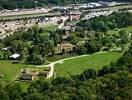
<point>9,70</point>
<point>50,27</point>
<point>78,65</point>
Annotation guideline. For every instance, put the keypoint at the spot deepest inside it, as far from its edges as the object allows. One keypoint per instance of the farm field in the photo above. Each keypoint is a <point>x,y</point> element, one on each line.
<point>78,65</point>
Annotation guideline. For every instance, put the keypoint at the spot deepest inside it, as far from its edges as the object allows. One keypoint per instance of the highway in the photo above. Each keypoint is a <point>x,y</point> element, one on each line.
<point>36,13</point>
<point>112,8</point>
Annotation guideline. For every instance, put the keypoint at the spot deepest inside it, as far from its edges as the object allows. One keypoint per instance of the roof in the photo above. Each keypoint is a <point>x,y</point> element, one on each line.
<point>15,56</point>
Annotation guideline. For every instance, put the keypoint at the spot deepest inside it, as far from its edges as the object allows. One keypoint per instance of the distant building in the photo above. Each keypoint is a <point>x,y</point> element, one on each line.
<point>74,15</point>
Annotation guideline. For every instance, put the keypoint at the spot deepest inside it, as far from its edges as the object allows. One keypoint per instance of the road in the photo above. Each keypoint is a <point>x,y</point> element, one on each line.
<point>112,8</point>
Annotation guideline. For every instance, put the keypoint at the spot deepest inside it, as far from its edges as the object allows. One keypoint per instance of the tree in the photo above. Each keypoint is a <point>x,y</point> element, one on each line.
<point>35,59</point>
<point>88,74</point>
<point>14,91</point>
<point>1,55</point>
<point>82,50</point>
<point>1,46</point>
<point>35,96</point>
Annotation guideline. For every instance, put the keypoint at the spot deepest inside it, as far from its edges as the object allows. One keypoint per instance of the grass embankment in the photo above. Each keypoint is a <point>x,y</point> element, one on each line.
<point>78,65</point>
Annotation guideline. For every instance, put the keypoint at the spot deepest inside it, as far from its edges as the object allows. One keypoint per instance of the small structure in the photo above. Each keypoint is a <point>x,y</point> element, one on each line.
<point>27,76</point>
<point>6,48</point>
<point>75,15</point>
<point>30,74</point>
<point>67,29</point>
<point>65,47</point>
<point>14,56</point>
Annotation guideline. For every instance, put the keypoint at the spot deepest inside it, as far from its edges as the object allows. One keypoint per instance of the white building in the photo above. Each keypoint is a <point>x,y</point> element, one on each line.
<point>15,56</point>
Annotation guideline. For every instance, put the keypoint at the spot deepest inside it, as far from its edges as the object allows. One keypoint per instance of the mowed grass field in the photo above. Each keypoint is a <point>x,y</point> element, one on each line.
<point>78,65</point>
<point>9,70</point>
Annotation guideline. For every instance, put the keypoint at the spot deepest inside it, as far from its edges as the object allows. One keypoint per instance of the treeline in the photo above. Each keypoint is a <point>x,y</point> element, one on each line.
<point>13,4</point>
<point>90,85</point>
<point>104,23</point>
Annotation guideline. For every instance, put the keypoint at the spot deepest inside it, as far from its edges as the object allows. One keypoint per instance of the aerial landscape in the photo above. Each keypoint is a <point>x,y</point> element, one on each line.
<point>65,49</point>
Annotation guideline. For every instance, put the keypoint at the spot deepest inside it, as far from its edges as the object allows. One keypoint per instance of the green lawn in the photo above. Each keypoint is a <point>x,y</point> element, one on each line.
<point>9,70</point>
<point>78,65</point>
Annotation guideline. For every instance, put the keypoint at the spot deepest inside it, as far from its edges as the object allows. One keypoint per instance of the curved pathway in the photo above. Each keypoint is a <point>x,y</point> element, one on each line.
<point>51,65</point>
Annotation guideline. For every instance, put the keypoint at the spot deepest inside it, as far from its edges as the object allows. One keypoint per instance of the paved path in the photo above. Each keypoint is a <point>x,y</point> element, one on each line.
<point>51,65</point>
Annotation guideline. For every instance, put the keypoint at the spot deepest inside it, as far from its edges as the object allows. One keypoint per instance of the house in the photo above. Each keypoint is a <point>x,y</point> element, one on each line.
<point>64,47</point>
